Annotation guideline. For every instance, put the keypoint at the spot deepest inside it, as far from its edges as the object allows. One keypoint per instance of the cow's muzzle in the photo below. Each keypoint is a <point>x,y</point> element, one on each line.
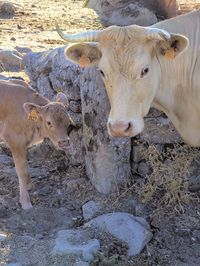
<point>125,129</point>
<point>120,129</point>
<point>64,144</point>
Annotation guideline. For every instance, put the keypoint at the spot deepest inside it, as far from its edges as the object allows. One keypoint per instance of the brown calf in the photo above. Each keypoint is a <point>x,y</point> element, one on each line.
<point>26,118</point>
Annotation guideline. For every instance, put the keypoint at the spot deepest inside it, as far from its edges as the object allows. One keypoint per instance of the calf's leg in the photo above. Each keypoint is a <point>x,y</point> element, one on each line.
<point>21,165</point>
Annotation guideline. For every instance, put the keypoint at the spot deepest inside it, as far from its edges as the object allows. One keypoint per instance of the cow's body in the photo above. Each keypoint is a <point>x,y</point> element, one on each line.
<point>147,66</point>
<point>179,90</point>
<point>17,101</point>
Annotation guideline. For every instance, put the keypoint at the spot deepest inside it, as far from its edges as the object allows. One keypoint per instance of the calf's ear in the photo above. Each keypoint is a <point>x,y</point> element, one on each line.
<point>62,98</point>
<point>84,54</point>
<point>33,111</point>
<point>174,46</point>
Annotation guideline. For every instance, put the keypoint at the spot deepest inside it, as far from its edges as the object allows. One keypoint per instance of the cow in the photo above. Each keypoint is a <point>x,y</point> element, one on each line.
<point>26,118</point>
<point>143,67</point>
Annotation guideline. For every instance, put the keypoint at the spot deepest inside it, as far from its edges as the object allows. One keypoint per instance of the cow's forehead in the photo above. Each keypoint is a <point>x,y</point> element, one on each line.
<point>57,112</point>
<point>119,34</point>
<point>123,51</point>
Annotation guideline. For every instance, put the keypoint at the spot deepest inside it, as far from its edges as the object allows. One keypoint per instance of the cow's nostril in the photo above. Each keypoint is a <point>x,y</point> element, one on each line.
<point>129,126</point>
<point>64,143</point>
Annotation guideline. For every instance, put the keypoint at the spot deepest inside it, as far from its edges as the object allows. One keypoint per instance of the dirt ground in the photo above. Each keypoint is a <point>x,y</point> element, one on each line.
<point>60,189</point>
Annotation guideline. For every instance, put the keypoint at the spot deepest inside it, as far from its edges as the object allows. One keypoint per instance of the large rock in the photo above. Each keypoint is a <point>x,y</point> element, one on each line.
<point>106,160</point>
<point>141,12</point>
<point>135,231</point>
<point>7,9</point>
<point>76,242</point>
<point>10,61</point>
<point>49,73</point>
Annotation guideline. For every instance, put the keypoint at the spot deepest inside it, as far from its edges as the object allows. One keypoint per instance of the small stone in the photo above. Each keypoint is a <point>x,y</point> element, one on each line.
<point>194,183</point>
<point>2,236</point>
<point>144,168</point>
<point>135,231</point>
<point>138,153</point>
<point>76,242</point>
<point>90,210</point>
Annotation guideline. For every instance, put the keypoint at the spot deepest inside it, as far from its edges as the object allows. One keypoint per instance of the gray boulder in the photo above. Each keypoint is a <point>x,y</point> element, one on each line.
<point>141,12</point>
<point>77,243</point>
<point>135,231</point>
<point>7,9</point>
<point>106,159</point>
<point>10,61</point>
<point>49,73</point>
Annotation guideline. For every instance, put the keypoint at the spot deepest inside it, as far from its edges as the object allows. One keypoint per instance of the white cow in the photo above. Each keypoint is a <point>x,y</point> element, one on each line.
<point>155,66</point>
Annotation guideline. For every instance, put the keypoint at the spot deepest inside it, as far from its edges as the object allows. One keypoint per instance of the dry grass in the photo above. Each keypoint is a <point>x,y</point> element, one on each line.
<point>167,186</point>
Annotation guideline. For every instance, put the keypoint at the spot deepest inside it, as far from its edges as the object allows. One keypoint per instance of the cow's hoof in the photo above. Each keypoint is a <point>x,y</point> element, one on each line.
<point>26,206</point>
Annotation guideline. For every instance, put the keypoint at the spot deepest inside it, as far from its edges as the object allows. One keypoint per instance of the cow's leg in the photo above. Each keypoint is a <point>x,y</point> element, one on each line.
<point>21,165</point>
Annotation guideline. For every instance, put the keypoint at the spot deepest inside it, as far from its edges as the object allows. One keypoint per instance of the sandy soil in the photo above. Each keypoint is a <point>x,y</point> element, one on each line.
<point>34,25</point>
<point>60,189</point>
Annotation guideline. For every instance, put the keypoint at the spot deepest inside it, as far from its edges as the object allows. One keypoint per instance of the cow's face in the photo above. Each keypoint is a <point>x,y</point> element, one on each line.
<point>131,76</point>
<point>128,60</point>
<point>55,121</point>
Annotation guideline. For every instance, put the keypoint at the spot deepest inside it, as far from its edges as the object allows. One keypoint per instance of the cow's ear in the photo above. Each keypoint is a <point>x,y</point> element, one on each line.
<point>62,98</point>
<point>84,54</point>
<point>174,46</point>
<point>33,111</point>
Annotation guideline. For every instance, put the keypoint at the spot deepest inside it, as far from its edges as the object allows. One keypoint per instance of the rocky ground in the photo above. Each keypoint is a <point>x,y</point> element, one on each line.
<point>43,236</point>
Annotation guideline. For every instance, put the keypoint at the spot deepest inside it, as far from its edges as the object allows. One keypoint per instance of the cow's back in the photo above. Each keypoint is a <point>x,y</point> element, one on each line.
<point>15,128</point>
<point>13,94</point>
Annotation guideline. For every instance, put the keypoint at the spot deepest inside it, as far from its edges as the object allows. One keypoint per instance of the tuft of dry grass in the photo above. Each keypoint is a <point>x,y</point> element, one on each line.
<point>168,184</point>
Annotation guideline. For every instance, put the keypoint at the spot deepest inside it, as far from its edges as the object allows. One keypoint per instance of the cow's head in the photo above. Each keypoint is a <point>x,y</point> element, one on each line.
<point>128,59</point>
<point>54,120</point>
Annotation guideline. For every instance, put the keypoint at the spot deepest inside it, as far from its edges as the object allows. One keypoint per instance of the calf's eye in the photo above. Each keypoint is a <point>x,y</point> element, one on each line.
<point>145,71</point>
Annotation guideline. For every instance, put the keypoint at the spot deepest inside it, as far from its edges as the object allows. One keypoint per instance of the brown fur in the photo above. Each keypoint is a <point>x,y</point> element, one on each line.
<point>17,100</point>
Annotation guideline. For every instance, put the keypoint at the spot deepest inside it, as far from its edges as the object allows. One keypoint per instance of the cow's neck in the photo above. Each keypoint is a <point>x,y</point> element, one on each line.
<point>179,91</point>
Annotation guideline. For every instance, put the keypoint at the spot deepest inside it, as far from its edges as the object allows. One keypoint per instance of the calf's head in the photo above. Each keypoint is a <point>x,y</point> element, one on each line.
<point>54,120</point>
<point>128,60</point>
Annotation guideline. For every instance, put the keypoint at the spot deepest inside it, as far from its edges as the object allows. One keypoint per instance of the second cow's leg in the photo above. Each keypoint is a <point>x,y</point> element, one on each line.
<point>21,165</point>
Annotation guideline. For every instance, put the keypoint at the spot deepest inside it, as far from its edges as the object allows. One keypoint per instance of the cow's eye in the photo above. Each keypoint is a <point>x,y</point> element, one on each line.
<point>102,73</point>
<point>145,71</point>
<point>49,124</point>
